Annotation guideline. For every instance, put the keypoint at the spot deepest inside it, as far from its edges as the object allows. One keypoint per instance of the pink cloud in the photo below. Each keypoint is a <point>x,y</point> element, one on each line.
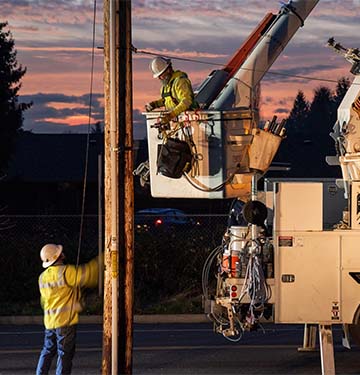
<point>71,120</point>
<point>53,39</point>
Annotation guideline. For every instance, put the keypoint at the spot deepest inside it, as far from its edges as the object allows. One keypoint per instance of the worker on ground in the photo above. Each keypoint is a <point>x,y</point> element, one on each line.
<point>60,289</point>
<point>177,94</point>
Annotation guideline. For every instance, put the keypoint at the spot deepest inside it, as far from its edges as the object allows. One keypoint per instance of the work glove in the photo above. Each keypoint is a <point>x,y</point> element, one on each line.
<point>166,118</point>
<point>149,107</point>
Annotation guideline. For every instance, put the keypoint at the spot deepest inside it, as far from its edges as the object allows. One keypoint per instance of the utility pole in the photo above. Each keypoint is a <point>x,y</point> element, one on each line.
<point>107,314</point>
<point>126,190</point>
<point>100,224</point>
<point>119,190</point>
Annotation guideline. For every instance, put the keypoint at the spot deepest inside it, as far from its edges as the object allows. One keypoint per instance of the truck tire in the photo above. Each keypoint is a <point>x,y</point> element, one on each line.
<point>355,333</point>
<point>354,328</point>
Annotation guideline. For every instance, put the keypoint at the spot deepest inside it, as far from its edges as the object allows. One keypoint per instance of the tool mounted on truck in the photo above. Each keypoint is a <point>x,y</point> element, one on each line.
<point>301,271</point>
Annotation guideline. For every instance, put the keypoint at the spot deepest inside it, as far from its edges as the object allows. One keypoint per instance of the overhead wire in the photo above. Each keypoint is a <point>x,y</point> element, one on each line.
<point>288,75</point>
<point>143,52</point>
<point>86,165</point>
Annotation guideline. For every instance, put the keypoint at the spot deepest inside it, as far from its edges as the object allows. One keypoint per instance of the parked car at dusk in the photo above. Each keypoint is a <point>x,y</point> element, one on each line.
<point>160,218</point>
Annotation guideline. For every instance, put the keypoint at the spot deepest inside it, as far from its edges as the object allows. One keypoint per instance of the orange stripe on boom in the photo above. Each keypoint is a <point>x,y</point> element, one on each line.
<point>236,61</point>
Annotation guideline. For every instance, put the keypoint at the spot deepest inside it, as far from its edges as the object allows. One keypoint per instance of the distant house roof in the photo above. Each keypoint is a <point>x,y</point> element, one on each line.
<point>54,157</point>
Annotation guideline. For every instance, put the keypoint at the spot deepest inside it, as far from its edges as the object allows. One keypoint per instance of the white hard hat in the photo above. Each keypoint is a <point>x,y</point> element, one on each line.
<point>159,65</point>
<point>50,253</point>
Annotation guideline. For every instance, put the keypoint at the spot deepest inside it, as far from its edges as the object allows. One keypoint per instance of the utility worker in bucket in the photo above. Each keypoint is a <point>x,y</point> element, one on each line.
<point>177,94</point>
<point>60,292</point>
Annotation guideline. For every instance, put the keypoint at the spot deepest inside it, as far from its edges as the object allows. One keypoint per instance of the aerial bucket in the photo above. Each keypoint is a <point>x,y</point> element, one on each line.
<point>227,150</point>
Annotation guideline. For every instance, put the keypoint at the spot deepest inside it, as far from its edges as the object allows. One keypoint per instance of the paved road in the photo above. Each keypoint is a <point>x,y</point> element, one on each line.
<point>183,349</point>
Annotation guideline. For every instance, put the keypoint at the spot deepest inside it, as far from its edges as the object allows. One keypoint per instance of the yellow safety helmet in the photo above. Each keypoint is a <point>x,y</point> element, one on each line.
<point>50,253</point>
<point>159,65</point>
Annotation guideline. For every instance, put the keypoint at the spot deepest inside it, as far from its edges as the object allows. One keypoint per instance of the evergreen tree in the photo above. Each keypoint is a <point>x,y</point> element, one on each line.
<point>342,86</point>
<point>292,148</point>
<point>298,115</point>
<point>11,111</point>
<point>308,128</point>
<point>317,143</point>
<point>321,111</point>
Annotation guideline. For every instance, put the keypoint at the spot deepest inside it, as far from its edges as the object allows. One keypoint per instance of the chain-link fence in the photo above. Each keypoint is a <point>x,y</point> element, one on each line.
<point>170,250</point>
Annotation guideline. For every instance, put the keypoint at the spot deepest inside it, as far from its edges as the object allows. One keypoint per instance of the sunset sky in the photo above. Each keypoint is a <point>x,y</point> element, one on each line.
<point>54,39</point>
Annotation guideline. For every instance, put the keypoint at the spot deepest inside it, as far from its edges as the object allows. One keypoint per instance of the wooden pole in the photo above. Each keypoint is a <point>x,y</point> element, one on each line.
<point>126,191</point>
<point>107,316</point>
<point>119,194</point>
<point>100,224</point>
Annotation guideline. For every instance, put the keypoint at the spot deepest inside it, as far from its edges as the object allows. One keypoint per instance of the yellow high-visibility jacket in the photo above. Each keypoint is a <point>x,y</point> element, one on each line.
<point>60,292</point>
<point>177,95</point>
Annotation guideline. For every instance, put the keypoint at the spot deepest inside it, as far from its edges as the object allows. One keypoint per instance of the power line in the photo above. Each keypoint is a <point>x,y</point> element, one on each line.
<point>82,214</point>
<point>135,50</point>
<point>174,57</point>
<point>88,136</point>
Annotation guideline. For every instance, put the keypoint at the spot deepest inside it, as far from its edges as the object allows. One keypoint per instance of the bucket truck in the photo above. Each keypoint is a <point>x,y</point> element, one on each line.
<point>269,266</point>
<point>304,271</point>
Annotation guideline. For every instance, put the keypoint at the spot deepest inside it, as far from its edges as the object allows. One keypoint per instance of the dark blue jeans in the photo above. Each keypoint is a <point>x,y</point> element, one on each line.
<point>60,341</point>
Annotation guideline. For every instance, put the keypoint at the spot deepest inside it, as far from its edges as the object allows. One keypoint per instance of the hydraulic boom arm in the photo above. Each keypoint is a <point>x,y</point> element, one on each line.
<point>239,92</point>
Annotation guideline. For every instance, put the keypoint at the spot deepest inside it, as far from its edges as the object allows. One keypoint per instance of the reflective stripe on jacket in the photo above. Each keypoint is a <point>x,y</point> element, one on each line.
<point>60,292</point>
<point>177,95</point>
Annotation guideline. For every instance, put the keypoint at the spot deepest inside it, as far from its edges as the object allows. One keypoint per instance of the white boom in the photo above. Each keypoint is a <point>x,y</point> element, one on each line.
<point>239,92</point>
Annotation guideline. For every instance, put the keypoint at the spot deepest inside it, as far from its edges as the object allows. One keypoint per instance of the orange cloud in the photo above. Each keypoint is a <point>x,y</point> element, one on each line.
<point>58,105</point>
<point>71,120</point>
